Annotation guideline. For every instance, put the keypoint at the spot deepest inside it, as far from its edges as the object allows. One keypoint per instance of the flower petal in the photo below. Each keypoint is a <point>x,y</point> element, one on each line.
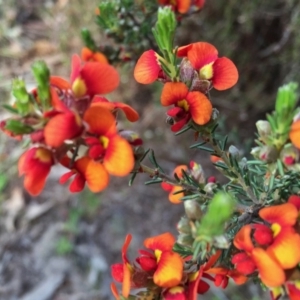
<point>75,67</point>
<point>295,200</point>
<point>169,271</point>
<point>176,199</point>
<point>200,107</point>
<point>285,248</point>
<point>183,6</point>
<point>62,127</point>
<point>89,55</point>
<point>225,74</point>
<point>270,272</point>
<point>242,239</point>
<point>202,54</point>
<point>295,134</point>
<point>147,68</point>
<point>163,242</point>
<point>119,158</point>
<point>173,92</point>
<point>284,214</point>
<point>99,78</point>
<point>100,120</point>
<point>60,83</point>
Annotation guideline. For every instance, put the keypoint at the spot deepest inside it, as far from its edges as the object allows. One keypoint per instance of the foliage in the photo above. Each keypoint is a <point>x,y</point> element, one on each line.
<point>246,228</point>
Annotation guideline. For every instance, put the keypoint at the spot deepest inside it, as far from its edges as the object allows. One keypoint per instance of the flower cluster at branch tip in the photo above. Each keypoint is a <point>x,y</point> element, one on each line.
<point>183,6</point>
<point>76,127</point>
<point>161,272</point>
<point>200,70</point>
<point>272,249</point>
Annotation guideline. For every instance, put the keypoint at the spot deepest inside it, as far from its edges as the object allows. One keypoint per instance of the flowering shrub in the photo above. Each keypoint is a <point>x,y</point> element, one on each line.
<point>248,227</point>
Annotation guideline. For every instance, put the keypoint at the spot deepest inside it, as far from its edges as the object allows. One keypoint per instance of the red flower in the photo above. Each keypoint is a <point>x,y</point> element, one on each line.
<point>148,68</point>
<point>166,264</point>
<point>175,198</point>
<point>105,144</point>
<point>64,123</point>
<point>35,164</point>
<point>89,55</point>
<point>187,104</point>
<point>221,72</point>
<point>182,6</point>
<point>85,170</point>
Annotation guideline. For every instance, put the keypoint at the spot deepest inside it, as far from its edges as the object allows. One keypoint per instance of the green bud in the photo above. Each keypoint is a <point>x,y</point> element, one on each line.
<point>185,240</point>
<point>286,98</point>
<point>22,96</point>
<point>17,127</point>
<point>218,213</point>
<point>41,74</point>
<point>264,130</point>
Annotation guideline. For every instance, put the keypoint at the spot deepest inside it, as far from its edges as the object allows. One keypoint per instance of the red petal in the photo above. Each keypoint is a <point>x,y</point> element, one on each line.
<point>169,271</point>
<point>200,107</point>
<point>100,120</point>
<point>163,242</point>
<point>225,74</point>
<point>284,214</point>
<point>77,185</point>
<point>62,127</point>
<point>147,68</point>
<point>119,158</point>
<point>270,272</point>
<point>183,50</point>
<point>117,272</point>
<point>173,92</point>
<point>167,186</point>
<point>183,6</point>
<point>202,54</point>
<point>203,287</point>
<point>99,78</point>
<point>242,239</point>
<point>147,263</point>
<point>60,83</point>
<point>295,200</point>
<point>75,66</point>
<point>64,178</point>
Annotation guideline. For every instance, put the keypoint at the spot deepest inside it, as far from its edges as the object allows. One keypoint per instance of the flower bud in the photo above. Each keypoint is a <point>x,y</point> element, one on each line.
<point>289,155</point>
<point>183,226</point>
<point>234,151</point>
<point>187,72</point>
<point>132,137</point>
<point>268,154</point>
<point>264,130</point>
<point>192,209</point>
<point>185,239</point>
<point>197,172</point>
<point>209,187</point>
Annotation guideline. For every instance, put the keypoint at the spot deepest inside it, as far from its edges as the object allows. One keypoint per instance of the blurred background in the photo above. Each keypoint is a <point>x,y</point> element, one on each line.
<point>59,245</point>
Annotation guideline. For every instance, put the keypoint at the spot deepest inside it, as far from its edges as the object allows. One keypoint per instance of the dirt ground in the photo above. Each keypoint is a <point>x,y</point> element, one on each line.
<point>59,246</point>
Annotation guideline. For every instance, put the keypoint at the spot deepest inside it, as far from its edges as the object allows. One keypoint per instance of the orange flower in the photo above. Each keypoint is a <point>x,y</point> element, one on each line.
<point>169,265</point>
<point>295,134</point>
<point>221,72</point>
<point>187,104</point>
<point>148,68</point>
<point>89,55</point>
<point>88,79</point>
<point>131,114</point>
<point>251,259</point>
<point>64,123</point>
<point>85,170</point>
<point>174,188</point>
<point>35,164</point>
<point>182,6</point>
<point>105,144</point>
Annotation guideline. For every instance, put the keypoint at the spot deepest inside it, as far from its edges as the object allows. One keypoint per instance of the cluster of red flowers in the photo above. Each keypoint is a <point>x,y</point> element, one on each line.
<point>200,70</point>
<point>183,6</point>
<point>165,274</point>
<point>272,248</point>
<point>78,129</point>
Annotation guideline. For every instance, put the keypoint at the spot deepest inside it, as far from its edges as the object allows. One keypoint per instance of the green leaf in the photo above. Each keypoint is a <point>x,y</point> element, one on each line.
<point>17,127</point>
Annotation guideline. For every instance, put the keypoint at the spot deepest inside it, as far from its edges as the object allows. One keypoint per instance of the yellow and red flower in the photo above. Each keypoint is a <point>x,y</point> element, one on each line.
<point>89,55</point>
<point>175,198</point>
<point>105,144</point>
<point>35,164</point>
<point>88,79</point>
<point>286,241</point>
<point>187,105</point>
<point>64,123</point>
<point>254,258</point>
<point>166,264</point>
<point>85,170</point>
<point>295,134</point>
<point>148,68</point>
<point>221,72</point>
